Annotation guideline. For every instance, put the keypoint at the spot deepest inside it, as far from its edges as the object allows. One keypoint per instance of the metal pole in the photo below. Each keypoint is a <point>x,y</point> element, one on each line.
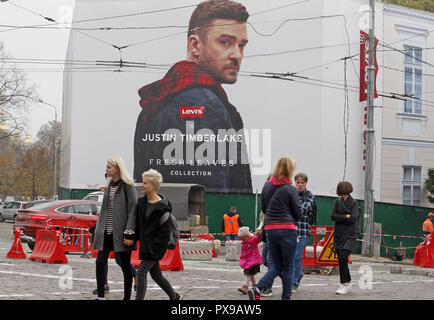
<point>368,243</point>
<point>55,154</point>
<point>256,209</point>
<point>54,146</point>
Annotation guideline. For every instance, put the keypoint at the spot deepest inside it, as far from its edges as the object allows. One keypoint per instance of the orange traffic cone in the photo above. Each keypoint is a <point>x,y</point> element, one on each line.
<point>172,260</point>
<point>135,260</point>
<point>17,251</point>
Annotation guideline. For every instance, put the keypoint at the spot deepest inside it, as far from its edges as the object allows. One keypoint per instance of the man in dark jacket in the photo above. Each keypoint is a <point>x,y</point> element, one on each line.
<point>303,226</point>
<point>187,129</point>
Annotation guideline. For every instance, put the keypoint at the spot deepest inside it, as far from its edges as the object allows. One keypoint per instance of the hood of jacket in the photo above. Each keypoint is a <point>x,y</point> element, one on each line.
<point>231,214</point>
<point>164,204</point>
<point>182,76</point>
<point>275,181</point>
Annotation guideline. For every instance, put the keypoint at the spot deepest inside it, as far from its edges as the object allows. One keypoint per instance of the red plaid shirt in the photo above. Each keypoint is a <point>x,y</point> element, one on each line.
<point>182,76</point>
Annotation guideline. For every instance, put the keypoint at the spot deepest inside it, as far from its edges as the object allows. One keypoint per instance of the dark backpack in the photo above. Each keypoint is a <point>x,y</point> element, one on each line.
<point>174,231</point>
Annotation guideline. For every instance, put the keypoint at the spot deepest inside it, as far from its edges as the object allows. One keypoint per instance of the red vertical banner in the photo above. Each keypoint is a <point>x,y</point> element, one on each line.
<point>364,63</point>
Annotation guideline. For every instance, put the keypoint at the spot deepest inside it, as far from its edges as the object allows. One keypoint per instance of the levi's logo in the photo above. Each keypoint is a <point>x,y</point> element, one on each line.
<point>192,112</point>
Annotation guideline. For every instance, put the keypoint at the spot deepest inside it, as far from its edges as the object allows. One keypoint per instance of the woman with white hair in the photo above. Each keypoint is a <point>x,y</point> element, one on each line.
<point>153,231</point>
<point>116,224</point>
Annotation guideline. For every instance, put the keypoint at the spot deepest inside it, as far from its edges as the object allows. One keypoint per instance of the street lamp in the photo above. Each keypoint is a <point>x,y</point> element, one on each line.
<point>55,148</point>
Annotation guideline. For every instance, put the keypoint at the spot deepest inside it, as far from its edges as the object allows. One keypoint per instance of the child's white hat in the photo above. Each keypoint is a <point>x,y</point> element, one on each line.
<point>244,231</point>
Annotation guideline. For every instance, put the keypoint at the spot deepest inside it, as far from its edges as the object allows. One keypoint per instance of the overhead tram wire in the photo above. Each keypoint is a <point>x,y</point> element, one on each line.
<point>120,48</point>
<point>278,8</point>
<point>407,54</point>
<point>183,7</point>
<point>304,80</point>
<point>103,18</point>
<point>54,23</point>
<point>28,10</point>
<point>357,54</point>
<point>280,76</point>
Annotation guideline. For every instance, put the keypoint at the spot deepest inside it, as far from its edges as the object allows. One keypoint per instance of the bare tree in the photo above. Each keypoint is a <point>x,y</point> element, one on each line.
<point>15,95</point>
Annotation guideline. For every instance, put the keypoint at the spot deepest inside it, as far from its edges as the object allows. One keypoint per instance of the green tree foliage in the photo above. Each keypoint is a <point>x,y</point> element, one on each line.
<point>429,184</point>
<point>425,5</point>
<point>26,170</point>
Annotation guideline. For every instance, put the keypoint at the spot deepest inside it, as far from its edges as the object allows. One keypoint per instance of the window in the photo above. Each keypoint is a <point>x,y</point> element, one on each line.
<point>83,208</point>
<point>16,205</point>
<point>91,198</point>
<point>413,79</point>
<point>10,205</point>
<point>66,209</point>
<point>411,185</point>
<point>95,208</point>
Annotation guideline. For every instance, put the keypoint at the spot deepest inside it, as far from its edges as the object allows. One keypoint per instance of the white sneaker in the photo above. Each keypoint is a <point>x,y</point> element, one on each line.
<point>342,290</point>
<point>349,286</point>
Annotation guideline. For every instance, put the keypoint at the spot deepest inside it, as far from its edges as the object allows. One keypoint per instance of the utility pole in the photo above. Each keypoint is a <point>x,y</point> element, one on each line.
<point>368,238</point>
<point>55,149</point>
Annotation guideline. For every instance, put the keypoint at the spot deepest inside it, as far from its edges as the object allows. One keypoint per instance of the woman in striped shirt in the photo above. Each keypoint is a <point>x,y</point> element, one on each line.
<point>116,224</point>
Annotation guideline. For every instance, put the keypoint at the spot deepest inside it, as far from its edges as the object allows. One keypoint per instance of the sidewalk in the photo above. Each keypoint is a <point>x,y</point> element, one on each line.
<point>385,264</point>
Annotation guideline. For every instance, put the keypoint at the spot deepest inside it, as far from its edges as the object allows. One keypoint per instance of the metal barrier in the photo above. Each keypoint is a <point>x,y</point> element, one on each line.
<point>321,253</point>
<point>74,237</point>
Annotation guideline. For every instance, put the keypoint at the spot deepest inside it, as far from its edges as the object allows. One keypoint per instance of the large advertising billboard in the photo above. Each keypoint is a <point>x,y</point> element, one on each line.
<point>212,93</point>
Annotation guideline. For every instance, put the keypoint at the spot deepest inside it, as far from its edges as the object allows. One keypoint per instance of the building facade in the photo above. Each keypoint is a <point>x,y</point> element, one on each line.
<point>408,123</point>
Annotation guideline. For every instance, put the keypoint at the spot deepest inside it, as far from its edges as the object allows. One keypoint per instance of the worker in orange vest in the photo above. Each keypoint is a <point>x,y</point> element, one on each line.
<point>428,227</point>
<point>231,224</point>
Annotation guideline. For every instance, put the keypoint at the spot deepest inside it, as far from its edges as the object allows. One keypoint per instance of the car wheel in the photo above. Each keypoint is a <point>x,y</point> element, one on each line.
<point>1,218</point>
<point>31,245</point>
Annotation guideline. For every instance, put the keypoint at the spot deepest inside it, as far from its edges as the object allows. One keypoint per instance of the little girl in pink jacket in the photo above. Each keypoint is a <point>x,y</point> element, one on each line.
<point>250,258</point>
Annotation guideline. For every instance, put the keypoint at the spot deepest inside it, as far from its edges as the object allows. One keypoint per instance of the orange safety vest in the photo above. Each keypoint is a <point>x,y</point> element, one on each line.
<point>428,226</point>
<point>231,224</point>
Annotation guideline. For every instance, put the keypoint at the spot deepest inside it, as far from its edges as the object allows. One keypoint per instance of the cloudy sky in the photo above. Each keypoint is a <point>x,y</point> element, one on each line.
<point>24,43</point>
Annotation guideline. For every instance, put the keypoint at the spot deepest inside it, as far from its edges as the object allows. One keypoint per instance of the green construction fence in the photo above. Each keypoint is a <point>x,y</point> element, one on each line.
<point>396,220</point>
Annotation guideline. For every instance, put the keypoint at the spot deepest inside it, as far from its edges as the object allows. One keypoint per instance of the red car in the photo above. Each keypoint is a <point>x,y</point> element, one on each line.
<point>55,214</point>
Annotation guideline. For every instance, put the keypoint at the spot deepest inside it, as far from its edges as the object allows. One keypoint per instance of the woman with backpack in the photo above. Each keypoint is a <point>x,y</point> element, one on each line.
<point>345,213</point>
<point>153,231</point>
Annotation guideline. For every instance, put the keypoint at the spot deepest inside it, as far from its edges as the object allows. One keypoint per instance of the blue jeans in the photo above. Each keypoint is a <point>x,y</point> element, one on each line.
<point>231,236</point>
<point>282,244</point>
<point>267,260</point>
<point>298,260</point>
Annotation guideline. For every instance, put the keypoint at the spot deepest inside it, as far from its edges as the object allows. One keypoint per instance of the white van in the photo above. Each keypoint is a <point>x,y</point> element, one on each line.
<point>95,196</point>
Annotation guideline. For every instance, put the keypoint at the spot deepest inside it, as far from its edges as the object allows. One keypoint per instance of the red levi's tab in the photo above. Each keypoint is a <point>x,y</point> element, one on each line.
<point>192,112</point>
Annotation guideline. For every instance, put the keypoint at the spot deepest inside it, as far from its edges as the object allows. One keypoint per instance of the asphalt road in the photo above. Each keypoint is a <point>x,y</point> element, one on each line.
<point>201,280</point>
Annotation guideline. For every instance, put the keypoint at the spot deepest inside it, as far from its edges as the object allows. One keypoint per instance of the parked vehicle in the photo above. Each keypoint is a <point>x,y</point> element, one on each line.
<point>95,196</point>
<point>55,215</point>
<point>10,210</point>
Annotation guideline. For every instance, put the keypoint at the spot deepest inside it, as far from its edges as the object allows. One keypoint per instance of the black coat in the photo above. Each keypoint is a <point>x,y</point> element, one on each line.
<point>345,235</point>
<point>281,203</point>
<point>153,237</point>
